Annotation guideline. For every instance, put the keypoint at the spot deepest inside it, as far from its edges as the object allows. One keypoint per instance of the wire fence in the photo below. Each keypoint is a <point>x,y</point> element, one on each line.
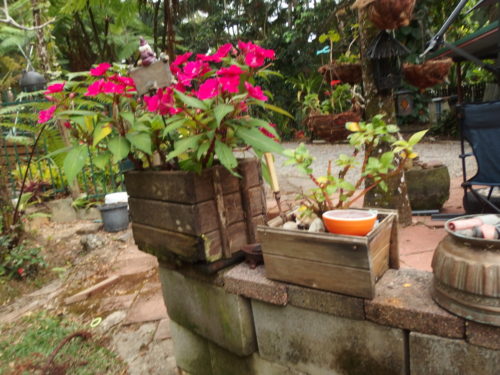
<point>44,174</point>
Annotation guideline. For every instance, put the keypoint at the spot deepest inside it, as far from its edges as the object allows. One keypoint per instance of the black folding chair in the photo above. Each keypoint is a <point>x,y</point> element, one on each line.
<point>480,127</point>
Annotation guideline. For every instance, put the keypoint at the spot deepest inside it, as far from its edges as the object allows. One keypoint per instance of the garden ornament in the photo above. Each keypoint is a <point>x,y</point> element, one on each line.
<point>147,54</point>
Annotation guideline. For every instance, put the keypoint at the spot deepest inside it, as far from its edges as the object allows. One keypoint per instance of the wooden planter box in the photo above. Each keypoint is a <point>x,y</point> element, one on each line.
<point>343,264</point>
<point>196,218</point>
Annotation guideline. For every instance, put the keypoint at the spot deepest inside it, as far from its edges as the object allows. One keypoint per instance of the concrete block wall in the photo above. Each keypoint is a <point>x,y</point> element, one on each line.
<point>238,322</point>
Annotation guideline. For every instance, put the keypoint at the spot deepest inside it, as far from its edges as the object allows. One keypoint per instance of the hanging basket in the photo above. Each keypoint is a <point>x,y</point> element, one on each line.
<point>428,74</point>
<point>388,14</point>
<point>345,72</point>
<point>331,128</point>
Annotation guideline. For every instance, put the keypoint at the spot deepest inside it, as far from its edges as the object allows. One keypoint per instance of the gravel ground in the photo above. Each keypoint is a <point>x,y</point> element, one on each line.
<point>291,180</point>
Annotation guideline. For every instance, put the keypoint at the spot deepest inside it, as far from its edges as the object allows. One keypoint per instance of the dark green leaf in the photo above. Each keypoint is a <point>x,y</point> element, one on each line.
<point>119,147</point>
<point>225,155</point>
<point>190,101</point>
<point>75,161</point>
<point>221,111</point>
<point>140,140</point>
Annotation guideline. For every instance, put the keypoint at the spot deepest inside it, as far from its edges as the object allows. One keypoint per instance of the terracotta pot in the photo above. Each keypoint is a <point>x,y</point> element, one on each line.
<point>331,128</point>
<point>428,74</point>
<point>347,73</point>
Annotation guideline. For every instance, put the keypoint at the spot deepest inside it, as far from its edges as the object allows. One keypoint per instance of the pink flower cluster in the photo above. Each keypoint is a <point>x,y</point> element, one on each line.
<point>114,84</point>
<point>197,78</point>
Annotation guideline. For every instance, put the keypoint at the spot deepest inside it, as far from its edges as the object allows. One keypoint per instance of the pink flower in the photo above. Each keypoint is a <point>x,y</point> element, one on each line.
<point>56,87</point>
<point>255,92</point>
<point>195,69</point>
<point>95,88</point>
<point>67,125</point>
<point>179,60</point>
<point>46,114</point>
<point>230,78</point>
<point>267,133</point>
<point>335,82</point>
<point>243,107</point>
<point>112,88</point>
<point>208,89</point>
<point>162,102</point>
<point>217,57</point>
<point>100,69</point>
<point>255,55</point>
<point>20,271</point>
<point>126,81</point>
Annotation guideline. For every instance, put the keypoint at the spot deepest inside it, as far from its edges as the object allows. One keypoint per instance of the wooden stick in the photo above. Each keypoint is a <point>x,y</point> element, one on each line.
<point>272,172</point>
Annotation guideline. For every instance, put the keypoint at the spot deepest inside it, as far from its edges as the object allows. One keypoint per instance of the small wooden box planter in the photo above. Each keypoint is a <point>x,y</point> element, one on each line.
<point>196,218</point>
<point>343,264</point>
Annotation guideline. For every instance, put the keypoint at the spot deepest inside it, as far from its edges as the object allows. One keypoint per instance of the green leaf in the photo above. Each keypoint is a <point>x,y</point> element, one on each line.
<point>225,155</point>
<point>75,161</point>
<point>257,140</point>
<point>129,117</point>
<point>119,147</point>
<point>140,140</point>
<point>190,101</point>
<point>101,161</point>
<point>417,137</point>
<point>184,144</point>
<point>221,111</point>
<point>202,149</point>
<point>275,109</point>
<point>173,126</point>
<point>101,132</point>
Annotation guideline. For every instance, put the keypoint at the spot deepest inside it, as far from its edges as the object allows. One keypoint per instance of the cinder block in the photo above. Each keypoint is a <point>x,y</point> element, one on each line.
<point>223,318</point>
<point>190,351</point>
<point>262,367</point>
<point>318,343</point>
<point>327,302</point>
<point>227,363</point>
<point>433,355</point>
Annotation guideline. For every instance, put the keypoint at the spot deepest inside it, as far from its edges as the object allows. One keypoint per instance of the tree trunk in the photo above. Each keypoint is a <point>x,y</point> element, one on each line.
<point>396,196</point>
<point>41,46</point>
<point>6,208</point>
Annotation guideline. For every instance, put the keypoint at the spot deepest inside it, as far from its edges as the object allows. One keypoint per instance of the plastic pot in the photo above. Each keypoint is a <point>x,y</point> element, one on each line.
<point>114,216</point>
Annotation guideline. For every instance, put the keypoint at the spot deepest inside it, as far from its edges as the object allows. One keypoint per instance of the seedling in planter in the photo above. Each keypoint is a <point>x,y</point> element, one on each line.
<point>334,191</point>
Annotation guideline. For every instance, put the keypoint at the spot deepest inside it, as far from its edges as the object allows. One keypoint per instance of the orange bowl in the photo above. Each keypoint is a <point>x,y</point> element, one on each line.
<point>350,222</point>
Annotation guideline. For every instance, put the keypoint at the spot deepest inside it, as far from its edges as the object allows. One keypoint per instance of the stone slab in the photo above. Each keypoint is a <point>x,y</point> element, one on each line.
<point>432,355</point>
<point>326,302</point>
<point>226,363</point>
<point>403,300</point>
<point>86,293</point>
<point>252,283</point>
<point>147,307</point>
<point>163,330</point>
<point>262,367</point>
<point>191,351</point>
<point>223,318</point>
<point>483,335</point>
<point>322,344</point>
<point>61,210</point>
<point>89,228</point>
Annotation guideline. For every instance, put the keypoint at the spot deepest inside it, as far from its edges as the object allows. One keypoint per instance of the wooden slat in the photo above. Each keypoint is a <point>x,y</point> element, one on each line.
<point>184,218</point>
<point>346,280</point>
<point>187,187</point>
<point>158,241</point>
<point>330,249</point>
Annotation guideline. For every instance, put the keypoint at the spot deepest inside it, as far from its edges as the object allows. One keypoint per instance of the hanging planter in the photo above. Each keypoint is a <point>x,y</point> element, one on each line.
<point>428,74</point>
<point>388,14</point>
<point>331,127</point>
<point>345,72</point>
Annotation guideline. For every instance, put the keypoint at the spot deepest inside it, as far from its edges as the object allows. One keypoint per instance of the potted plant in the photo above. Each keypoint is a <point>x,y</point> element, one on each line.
<point>427,74</point>
<point>326,117</point>
<point>191,197</point>
<point>339,262</point>
<point>388,14</point>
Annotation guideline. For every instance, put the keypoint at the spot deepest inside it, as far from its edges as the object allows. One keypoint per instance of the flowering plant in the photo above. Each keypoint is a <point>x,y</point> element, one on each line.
<point>336,100</point>
<point>212,108</point>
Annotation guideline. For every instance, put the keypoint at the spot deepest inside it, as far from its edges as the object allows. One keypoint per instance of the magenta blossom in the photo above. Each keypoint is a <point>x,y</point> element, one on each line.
<point>112,88</point>
<point>100,69</point>
<point>56,87</point>
<point>230,78</point>
<point>162,102</point>
<point>194,69</point>
<point>217,57</point>
<point>254,54</point>
<point>46,114</point>
<point>208,89</point>
<point>267,133</point>
<point>179,60</point>
<point>126,81</point>
<point>255,92</point>
<point>95,88</point>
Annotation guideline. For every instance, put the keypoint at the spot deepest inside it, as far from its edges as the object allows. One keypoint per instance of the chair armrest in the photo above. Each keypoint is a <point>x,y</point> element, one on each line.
<point>463,156</point>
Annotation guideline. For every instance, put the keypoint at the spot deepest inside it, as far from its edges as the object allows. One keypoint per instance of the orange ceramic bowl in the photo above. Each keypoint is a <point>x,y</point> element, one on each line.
<point>350,222</point>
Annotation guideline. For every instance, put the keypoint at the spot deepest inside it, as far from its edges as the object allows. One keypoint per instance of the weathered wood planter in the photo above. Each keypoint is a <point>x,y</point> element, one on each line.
<point>196,218</point>
<point>344,264</point>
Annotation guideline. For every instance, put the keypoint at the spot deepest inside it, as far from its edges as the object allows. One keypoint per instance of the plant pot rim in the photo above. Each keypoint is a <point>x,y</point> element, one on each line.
<point>473,241</point>
<point>370,214</point>
<point>112,206</point>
